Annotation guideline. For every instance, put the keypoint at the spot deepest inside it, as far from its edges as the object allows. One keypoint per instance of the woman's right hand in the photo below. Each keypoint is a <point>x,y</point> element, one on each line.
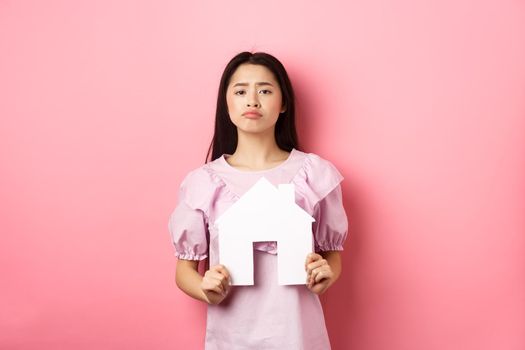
<point>215,284</point>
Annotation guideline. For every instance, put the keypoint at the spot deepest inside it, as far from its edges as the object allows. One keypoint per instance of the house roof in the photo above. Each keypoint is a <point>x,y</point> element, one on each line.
<point>263,197</point>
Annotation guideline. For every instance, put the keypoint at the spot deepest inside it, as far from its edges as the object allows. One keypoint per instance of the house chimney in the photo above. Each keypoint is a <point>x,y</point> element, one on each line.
<point>287,192</point>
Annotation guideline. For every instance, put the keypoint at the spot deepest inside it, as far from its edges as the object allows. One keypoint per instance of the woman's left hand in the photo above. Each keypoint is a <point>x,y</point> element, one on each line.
<point>319,274</point>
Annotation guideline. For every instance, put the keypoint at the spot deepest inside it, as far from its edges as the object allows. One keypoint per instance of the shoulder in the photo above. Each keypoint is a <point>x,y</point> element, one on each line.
<point>204,174</point>
<point>315,165</point>
<point>197,176</point>
<point>198,187</point>
<point>317,177</point>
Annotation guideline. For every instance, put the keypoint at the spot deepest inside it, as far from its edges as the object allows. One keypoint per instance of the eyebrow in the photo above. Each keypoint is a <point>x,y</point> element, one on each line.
<point>258,83</point>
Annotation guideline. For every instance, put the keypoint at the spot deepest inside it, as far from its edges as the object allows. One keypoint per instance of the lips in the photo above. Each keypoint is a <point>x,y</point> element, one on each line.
<point>252,115</point>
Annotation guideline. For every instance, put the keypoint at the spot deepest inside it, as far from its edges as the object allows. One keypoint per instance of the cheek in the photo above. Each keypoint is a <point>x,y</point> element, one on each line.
<point>277,104</point>
<point>232,104</point>
<point>228,102</point>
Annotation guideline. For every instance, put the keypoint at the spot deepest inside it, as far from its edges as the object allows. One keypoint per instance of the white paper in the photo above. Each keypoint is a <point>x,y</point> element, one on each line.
<point>265,213</point>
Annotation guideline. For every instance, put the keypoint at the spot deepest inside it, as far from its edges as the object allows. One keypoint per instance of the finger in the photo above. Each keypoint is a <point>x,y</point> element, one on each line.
<point>324,274</point>
<point>225,283</point>
<point>311,278</point>
<point>219,277</point>
<point>320,288</point>
<point>313,266</point>
<point>311,257</point>
<point>310,267</point>
<point>212,285</point>
<point>214,274</point>
<point>319,274</point>
<point>223,271</point>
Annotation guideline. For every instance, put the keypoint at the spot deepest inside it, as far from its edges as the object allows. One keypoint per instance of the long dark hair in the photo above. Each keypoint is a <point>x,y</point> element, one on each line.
<point>225,134</point>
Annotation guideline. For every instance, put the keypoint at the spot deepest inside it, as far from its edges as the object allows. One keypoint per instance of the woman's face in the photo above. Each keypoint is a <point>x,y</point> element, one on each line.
<point>253,88</point>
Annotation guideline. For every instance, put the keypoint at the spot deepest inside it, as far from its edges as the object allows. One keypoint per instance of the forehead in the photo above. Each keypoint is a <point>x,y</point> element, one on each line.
<point>248,73</point>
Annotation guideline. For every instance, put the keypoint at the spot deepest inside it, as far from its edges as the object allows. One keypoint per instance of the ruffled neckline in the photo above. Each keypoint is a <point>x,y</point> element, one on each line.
<point>222,160</point>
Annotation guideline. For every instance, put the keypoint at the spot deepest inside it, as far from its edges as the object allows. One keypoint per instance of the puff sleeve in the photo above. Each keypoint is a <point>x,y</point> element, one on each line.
<point>331,225</point>
<point>188,223</point>
<point>320,192</point>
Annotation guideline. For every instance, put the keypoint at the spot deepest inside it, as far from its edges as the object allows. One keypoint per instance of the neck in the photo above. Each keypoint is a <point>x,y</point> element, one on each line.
<point>257,151</point>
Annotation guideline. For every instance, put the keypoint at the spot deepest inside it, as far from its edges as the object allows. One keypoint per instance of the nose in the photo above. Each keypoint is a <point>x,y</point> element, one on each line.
<point>252,100</point>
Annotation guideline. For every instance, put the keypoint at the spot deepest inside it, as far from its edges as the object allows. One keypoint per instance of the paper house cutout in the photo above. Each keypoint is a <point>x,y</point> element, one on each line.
<point>265,213</point>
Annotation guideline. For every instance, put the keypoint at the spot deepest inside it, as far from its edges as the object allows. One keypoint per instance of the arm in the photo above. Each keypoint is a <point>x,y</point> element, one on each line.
<point>211,289</point>
<point>330,230</point>
<point>323,270</point>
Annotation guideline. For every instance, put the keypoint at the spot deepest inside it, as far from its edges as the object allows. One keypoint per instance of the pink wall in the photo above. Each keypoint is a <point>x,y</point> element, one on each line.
<point>105,105</point>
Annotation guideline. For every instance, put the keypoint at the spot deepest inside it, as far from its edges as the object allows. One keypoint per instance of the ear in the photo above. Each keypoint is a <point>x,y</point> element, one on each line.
<point>283,109</point>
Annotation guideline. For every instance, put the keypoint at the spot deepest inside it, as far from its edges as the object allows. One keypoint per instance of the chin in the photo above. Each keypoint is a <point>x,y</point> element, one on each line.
<point>255,129</point>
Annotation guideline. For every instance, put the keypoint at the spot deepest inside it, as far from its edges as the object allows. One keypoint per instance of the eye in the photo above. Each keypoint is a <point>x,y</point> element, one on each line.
<point>237,92</point>
<point>269,92</point>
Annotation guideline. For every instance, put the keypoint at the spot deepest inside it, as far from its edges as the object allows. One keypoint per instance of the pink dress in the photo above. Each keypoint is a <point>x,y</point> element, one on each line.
<point>266,315</point>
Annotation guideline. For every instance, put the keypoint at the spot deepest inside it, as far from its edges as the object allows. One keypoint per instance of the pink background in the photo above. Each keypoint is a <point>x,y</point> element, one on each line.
<point>106,105</point>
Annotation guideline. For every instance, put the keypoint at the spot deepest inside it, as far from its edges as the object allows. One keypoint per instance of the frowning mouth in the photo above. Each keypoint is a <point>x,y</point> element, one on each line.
<point>252,115</point>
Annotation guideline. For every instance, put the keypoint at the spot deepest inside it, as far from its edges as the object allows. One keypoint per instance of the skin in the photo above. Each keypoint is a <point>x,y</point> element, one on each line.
<point>256,150</point>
